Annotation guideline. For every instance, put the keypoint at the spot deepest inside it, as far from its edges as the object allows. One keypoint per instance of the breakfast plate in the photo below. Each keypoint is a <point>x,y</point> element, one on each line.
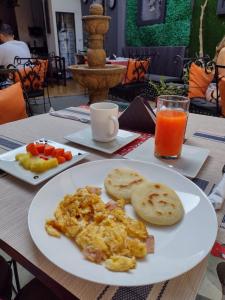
<point>84,137</point>
<point>178,248</point>
<point>189,164</point>
<point>11,166</point>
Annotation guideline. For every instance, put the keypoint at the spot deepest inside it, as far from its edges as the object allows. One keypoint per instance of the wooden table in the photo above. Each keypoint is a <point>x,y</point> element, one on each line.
<point>16,196</point>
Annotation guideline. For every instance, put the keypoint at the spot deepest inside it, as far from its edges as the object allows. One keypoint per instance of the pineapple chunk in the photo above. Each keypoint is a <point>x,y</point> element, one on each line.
<point>34,163</point>
<point>37,165</point>
<point>51,163</point>
<point>25,162</point>
<point>21,156</point>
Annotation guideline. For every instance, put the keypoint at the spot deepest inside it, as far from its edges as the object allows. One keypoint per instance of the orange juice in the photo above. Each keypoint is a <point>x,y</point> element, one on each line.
<point>169,134</point>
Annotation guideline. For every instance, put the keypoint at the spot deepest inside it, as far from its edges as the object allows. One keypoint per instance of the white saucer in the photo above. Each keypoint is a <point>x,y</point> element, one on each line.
<point>189,164</point>
<point>84,137</point>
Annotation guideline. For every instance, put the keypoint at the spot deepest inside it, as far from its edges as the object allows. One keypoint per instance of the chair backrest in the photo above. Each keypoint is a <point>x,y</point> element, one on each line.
<point>200,75</point>
<point>31,72</point>
<point>165,60</point>
<point>136,70</point>
<point>12,104</point>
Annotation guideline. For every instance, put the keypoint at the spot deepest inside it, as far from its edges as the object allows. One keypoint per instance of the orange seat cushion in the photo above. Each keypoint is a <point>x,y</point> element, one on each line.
<point>136,70</point>
<point>12,104</point>
<point>199,81</point>
<point>222,95</point>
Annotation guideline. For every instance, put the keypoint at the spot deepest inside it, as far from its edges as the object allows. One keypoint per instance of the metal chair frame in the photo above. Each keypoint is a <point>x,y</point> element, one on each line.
<point>29,70</point>
<point>57,68</point>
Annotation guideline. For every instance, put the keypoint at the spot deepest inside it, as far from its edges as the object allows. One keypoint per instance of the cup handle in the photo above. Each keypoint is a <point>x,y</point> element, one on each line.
<point>115,124</point>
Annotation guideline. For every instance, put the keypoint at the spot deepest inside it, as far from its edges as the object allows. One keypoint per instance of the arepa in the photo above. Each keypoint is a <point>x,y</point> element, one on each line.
<point>157,204</point>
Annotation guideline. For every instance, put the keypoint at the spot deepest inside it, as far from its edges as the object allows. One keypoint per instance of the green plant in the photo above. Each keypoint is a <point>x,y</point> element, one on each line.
<point>163,88</point>
<point>175,31</point>
<point>211,22</point>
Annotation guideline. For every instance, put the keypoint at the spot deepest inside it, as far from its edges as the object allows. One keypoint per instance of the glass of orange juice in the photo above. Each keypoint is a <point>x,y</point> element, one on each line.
<point>171,121</point>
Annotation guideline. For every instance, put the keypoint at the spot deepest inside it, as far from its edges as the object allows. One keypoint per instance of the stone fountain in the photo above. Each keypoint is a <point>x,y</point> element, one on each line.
<point>96,75</point>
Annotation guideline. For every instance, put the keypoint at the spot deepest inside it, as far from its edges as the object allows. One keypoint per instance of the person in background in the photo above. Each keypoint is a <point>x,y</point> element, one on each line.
<point>219,59</point>
<point>9,48</point>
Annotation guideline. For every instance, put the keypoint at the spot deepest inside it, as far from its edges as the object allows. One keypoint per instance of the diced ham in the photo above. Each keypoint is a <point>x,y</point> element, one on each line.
<point>94,190</point>
<point>111,205</point>
<point>150,244</point>
<point>92,254</point>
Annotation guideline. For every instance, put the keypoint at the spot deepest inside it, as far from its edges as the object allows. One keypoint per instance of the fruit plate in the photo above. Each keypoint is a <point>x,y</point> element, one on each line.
<point>178,248</point>
<point>11,166</point>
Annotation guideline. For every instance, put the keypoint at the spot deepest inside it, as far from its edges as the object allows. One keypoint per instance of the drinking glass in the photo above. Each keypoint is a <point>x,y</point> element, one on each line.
<point>171,121</point>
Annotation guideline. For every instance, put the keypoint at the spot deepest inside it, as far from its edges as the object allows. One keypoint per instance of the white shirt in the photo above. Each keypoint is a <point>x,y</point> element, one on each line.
<point>10,49</point>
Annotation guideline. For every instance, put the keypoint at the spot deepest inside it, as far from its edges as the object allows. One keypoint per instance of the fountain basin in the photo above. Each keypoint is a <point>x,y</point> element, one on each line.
<point>98,80</point>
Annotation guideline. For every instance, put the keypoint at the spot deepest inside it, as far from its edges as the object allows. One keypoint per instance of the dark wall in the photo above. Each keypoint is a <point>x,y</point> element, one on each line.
<point>111,37</point>
<point>115,38</point>
<point>182,26</point>
<point>7,15</point>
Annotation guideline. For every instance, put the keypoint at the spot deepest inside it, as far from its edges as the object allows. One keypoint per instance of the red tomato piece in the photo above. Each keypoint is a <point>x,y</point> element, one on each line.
<point>32,149</point>
<point>61,159</point>
<point>58,152</point>
<point>68,155</point>
<point>29,146</point>
<point>40,148</point>
<point>48,150</point>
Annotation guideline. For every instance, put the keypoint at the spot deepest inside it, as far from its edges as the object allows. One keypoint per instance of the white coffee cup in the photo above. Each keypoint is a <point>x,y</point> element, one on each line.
<point>104,121</point>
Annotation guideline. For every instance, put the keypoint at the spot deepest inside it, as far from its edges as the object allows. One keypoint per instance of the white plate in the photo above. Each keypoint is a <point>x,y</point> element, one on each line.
<point>84,137</point>
<point>178,248</point>
<point>11,166</point>
<point>189,164</point>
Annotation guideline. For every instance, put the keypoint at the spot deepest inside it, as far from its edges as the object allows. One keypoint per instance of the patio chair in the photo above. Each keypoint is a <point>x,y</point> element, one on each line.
<point>5,280</point>
<point>134,81</point>
<point>201,74</point>
<point>166,61</point>
<point>12,104</point>
<point>31,72</point>
<point>56,69</point>
<point>34,289</point>
<point>221,275</point>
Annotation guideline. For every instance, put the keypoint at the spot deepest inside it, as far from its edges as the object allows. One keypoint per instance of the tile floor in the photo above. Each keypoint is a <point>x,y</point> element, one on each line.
<point>71,88</point>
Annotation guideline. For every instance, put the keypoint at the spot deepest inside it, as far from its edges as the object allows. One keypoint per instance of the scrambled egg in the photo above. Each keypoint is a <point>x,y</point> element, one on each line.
<point>102,231</point>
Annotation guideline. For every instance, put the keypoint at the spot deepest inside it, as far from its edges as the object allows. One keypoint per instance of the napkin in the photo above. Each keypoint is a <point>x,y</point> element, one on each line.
<point>72,113</point>
<point>139,116</point>
<point>217,196</point>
